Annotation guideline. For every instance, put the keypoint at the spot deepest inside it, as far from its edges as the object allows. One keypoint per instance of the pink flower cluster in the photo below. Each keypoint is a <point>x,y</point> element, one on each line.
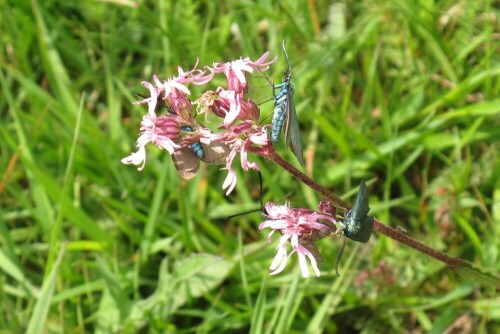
<point>170,125</point>
<point>177,130</point>
<point>301,227</point>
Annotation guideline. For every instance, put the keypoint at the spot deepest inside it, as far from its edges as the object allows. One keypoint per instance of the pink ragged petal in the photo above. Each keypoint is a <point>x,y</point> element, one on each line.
<point>241,77</point>
<point>302,252</point>
<point>172,84</point>
<point>230,182</point>
<point>203,79</point>
<point>314,264</point>
<point>303,265</point>
<point>275,224</point>
<point>157,81</point>
<point>167,144</point>
<point>260,62</point>
<point>234,111</point>
<point>269,236</point>
<point>279,261</point>
<point>136,158</point>
<point>259,139</point>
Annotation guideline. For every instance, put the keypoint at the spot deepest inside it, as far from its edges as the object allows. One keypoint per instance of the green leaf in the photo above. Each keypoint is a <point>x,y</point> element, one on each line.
<point>198,274</point>
<point>42,306</point>
<point>473,272</point>
<point>259,310</point>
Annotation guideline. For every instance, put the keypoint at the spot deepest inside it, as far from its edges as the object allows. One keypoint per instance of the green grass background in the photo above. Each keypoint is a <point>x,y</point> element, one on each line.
<point>401,93</point>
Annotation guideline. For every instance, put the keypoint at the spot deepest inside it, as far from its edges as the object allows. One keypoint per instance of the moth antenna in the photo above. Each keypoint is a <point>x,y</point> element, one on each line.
<point>265,75</point>
<point>265,101</point>
<point>262,209</point>
<point>289,69</point>
<point>140,95</point>
<point>261,190</point>
<point>339,256</point>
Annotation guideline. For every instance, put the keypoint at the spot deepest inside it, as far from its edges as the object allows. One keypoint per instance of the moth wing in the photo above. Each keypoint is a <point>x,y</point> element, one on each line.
<point>361,206</point>
<point>215,153</point>
<point>312,248</point>
<point>359,224</point>
<point>186,162</point>
<point>366,229</point>
<point>292,129</point>
<point>360,231</point>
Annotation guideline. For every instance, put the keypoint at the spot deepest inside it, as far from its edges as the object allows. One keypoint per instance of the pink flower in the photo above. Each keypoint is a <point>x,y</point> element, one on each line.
<point>259,136</point>
<point>175,91</point>
<point>206,104</point>
<point>249,111</point>
<point>235,71</point>
<point>228,102</point>
<point>196,77</point>
<point>229,105</point>
<point>151,101</point>
<point>300,227</point>
<point>178,130</point>
<point>241,138</point>
<point>231,178</point>
<point>160,131</point>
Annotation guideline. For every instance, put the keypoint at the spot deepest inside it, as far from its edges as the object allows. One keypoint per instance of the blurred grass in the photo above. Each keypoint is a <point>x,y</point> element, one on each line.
<point>401,93</point>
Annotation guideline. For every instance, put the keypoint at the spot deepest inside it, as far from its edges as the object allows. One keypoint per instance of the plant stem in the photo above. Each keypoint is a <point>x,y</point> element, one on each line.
<point>452,262</point>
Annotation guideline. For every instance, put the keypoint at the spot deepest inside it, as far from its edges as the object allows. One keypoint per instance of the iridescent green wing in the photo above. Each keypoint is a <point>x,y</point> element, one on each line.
<point>361,206</point>
<point>358,226</point>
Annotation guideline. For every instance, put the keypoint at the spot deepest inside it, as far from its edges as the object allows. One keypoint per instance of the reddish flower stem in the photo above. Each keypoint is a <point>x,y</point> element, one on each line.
<point>452,262</point>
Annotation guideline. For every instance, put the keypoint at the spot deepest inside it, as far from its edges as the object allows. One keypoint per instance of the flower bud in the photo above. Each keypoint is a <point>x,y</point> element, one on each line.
<point>249,111</point>
<point>181,105</point>
<point>327,207</point>
<point>167,125</point>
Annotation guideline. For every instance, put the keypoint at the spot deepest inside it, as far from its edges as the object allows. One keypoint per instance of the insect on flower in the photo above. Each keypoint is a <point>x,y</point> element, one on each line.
<point>284,114</point>
<point>187,157</point>
<point>299,228</point>
<point>197,148</point>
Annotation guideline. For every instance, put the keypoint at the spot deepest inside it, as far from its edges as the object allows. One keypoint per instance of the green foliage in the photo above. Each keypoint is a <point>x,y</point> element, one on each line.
<point>401,93</point>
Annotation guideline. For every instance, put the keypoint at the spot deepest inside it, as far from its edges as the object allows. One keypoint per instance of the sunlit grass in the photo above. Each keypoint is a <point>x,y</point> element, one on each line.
<point>400,94</point>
